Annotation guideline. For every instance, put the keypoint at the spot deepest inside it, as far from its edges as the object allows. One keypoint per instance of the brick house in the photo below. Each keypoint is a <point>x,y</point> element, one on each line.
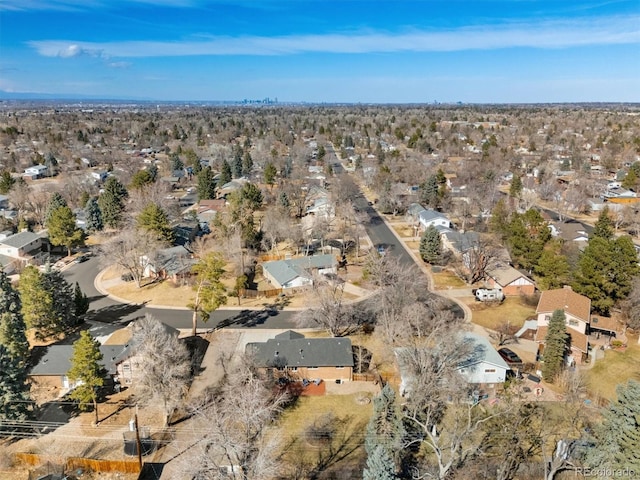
<point>329,359</point>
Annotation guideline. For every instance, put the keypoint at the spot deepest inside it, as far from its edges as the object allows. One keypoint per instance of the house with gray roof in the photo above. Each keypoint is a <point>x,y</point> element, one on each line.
<point>481,363</point>
<point>329,359</point>
<point>298,272</point>
<point>53,367</point>
<point>21,244</point>
<point>427,217</point>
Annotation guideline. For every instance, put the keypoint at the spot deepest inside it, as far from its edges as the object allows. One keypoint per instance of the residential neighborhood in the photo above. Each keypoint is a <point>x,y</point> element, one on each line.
<point>272,293</point>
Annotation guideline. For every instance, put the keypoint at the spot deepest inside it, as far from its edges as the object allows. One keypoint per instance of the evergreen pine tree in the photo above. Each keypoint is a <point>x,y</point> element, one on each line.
<point>270,172</point>
<point>515,189</point>
<point>429,192</point>
<point>12,326</point>
<point>56,201</point>
<point>431,245</point>
<point>247,164</point>
<point>555,346</point>
<point>14,389</point>
<point>80,302</point>
<point>225,173</point>
<point>617,445</point>
<point>236,167</point>
<point>206,186</point>
<point>63,230</point>
<point>86,371</point>
<point>379,465</point>
<point>111,202</point>
<point>385,429</point>
<point>283,200</point>
<point>552,270</point>
<point>603,227</point>
<point>93,216</point>
<point>155,220</point>
<point>47,302</point>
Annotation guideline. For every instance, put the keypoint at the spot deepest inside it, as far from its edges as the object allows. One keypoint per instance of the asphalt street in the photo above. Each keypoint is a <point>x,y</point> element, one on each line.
<point>108,310</point>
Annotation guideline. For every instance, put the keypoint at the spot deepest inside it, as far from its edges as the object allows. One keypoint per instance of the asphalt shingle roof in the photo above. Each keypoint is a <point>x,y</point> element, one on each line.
<point>565,299</point>
<point>283,271</point>
<point>20,240</point>
<point>57,360</point>
<point>302,352</point>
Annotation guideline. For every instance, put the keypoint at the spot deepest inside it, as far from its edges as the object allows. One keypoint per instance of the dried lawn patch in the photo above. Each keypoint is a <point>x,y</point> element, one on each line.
<point>490,315</point>
<point>616,368</point>
<point>447,279</point>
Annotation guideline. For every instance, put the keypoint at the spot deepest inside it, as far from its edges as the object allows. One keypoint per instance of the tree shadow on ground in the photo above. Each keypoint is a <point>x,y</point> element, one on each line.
<point>248,318</point>
<point>114,313</point>
<point>329,442</point>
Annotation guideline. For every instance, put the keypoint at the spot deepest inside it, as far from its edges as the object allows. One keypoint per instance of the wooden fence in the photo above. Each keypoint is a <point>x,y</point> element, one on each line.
<point>270,258</point>
<point>274,292</point>
<point>372,377</point>
<point>74,463</point>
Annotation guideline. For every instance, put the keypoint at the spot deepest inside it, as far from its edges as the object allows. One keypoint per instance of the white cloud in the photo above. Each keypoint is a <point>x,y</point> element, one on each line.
<point>75,50</point>
<point>545,35</point>
<point>119,64</point>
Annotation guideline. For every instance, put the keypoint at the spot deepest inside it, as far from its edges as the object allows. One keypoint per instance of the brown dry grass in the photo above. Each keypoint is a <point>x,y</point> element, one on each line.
<point>349,419</point>
<point>446,279</point>
<point>616,368</point>
<point>488,315</point>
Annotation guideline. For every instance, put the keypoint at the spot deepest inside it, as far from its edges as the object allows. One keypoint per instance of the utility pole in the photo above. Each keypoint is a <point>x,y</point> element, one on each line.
<point>138,443</point>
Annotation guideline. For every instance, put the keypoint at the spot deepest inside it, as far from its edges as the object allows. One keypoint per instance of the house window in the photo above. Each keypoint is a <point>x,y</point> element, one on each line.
<point>489,370</point>
<point>339,368</point>
<point>312,368</point>
<point>126,367</point>
<point>573,322</point>
<point>547,318</point>
<point>294,369</point>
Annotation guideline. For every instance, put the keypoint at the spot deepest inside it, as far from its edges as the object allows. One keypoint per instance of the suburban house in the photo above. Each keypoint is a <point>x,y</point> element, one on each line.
<point>577,309</point>
<point>51,371</point>
<point>322,207</point>
<point>509,280</point>
<point>484,365</point>
<point>328,359</point>
<point>426,217</point>
<point>207,210</point>
<point>298,272</point>
<point>458,242</point>
<point>171,263</point>
<point>99,175</point>
<point>21,245</point>
<point>36,171</point>
<point>127,362</point>
<point>570,232</point>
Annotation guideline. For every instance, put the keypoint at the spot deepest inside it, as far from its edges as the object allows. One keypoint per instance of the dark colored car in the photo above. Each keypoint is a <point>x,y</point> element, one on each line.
<point>82,258</point>
<point>509,355</point>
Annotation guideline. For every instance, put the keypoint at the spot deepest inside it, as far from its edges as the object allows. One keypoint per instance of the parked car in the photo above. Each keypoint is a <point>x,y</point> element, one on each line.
<point>82,258</point>
<point>509,355</point>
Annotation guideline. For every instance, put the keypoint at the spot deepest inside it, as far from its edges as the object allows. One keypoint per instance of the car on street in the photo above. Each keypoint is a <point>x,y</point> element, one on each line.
<point>81,258</point>
<point>509,355</point>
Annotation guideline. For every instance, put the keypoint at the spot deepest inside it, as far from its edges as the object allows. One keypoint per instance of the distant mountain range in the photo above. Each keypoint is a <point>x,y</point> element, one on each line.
<point>56,96</point>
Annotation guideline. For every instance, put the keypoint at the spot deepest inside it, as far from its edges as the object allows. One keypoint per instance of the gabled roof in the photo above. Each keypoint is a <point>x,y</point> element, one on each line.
<point>430,215</point>
<point>482,352</point>
<point>567,300</point>
<point>505,274</point>
<point>20,240</point>
<point>283,271</point>
<point>302,352</point>
<point>57,360</point>
<point>579,340</point>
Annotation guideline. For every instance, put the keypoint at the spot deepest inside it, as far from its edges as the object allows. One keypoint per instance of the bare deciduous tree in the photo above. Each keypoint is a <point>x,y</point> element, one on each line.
<point>234,424</point>
<point>165,366</point>
<point>329,310</point>
<point>134,251</point>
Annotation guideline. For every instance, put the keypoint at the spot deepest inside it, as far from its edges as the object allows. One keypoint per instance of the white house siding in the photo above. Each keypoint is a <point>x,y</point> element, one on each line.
<point>571,321</point>
<point>484,372</point>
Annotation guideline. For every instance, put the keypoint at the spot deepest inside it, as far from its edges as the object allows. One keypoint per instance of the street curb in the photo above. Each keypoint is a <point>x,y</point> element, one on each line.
<point>97,283</point>
<point>421,265</point>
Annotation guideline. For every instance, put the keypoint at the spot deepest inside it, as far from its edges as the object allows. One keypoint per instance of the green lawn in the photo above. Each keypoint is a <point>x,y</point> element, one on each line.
<point>617,367</point>
<point>512,310</point>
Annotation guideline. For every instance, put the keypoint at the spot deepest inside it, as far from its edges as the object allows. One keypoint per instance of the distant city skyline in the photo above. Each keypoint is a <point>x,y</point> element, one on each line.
<point>349,51</point>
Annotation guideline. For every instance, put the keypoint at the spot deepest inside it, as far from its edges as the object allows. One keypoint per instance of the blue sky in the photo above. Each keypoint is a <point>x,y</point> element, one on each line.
<point>378,51</point>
